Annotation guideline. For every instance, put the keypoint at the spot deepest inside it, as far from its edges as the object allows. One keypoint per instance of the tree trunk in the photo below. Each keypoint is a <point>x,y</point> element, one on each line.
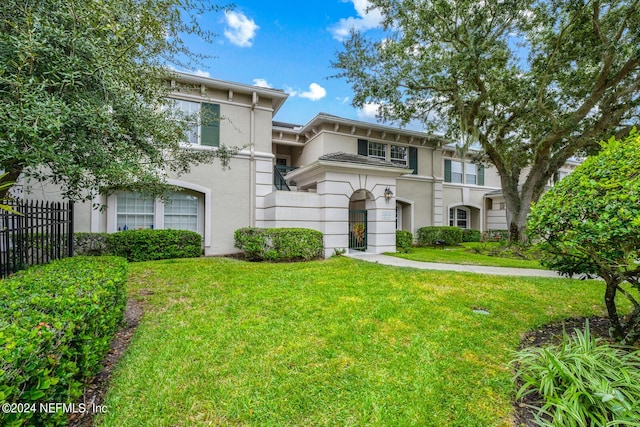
<point>518,208</point>
<point>616,330</point>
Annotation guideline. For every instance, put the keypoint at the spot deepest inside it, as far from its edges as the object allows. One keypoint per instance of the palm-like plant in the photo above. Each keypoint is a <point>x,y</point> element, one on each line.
<point>6,186</point>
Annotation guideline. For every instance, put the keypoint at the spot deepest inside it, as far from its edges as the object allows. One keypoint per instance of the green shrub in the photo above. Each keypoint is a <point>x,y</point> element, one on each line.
<point>582,382</point>
<point>252,241</point>
<point>57,322</point>
<point>150,245</point>
<point>404,239</point>
<point>589,223</point>
<point>95,244</point>
<point>279,244</point>
<point>428,235</point>
<point>495,236</point>
<point>471,235</point>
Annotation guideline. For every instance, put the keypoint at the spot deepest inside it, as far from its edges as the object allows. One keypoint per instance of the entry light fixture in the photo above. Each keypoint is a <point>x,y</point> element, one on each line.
<point>388,194</point>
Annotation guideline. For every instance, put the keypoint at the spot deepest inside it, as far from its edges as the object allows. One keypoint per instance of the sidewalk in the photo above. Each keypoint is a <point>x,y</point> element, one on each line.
<point>480,269</point>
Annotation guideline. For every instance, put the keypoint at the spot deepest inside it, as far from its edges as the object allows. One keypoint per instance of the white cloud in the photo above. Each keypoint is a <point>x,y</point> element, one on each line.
<point>262,83</point>
<point>343,100</point>
<point>368,112</point>
<point>364,21</point>
<point>240,30</point>
<point>315,92</point>
<point>290,91</point>
<point>201,73</point>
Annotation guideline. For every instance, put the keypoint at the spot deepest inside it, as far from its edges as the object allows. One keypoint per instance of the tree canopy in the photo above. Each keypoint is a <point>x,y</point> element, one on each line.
<point>82,89</point>
<point>532,82</point>
<point>590,223</point>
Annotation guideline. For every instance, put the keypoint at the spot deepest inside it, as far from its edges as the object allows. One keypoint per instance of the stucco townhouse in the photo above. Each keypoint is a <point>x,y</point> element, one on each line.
<point>329,175</point>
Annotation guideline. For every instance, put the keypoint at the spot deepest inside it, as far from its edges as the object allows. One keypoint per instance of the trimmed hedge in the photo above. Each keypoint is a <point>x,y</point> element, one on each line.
<point>279,244</point>
<point>404,239</point>
<point>57,322</point>
<point>141,245</point>
<point>471,235</point>
<point>428,235</point>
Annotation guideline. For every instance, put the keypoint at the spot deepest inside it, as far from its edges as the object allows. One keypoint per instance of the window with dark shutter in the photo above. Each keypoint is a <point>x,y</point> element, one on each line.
<point>480,175</point>
<point>210,127</point>
<point>363,147</point>
<point>413,159</point>
<point>447,170</point>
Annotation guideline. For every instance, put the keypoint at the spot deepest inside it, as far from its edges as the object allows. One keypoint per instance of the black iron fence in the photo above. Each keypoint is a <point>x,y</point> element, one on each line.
<point>41,233</point>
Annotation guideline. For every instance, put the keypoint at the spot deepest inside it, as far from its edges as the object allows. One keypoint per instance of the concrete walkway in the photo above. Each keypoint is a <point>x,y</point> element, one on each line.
<point>480,269</point>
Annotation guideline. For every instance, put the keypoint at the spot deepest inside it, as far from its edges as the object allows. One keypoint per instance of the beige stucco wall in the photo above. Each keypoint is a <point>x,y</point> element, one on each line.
<point>419,192</point>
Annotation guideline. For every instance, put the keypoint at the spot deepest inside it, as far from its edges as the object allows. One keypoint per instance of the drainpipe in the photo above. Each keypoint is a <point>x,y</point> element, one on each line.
<point>252,161</point>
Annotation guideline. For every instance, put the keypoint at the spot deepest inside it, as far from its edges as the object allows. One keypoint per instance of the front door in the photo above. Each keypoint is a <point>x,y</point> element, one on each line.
<point>358,229</point>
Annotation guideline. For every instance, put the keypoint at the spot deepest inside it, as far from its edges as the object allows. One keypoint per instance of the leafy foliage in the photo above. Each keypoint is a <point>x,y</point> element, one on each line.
<point>590,223</point>
<point>279,244</point>
<point>404,239</point>
<point>95,244</point>
<point>471,235</point>
<point>581,382</point>
<point>428,235</point>
<point>532,82</point>
<point>56,324</point>
<point>150,245</point>
<point>83,91</point>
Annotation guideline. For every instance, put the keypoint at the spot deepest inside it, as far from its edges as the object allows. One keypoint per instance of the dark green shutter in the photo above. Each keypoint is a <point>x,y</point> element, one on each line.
<point>447,170</point>
<point>210,130</point>
<point>480,175</point>
<point>413,159</point>
<point>363,147</point>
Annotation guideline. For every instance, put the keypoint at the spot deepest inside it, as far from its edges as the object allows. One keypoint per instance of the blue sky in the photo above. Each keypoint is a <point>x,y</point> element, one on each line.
<point>288,46</point>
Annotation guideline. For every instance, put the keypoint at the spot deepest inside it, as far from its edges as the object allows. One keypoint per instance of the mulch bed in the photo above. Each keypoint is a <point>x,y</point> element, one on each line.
<point>95,391</point>
<point>552,335</point>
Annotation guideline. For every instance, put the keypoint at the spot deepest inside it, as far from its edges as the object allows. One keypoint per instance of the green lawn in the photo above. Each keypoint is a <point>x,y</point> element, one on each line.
<point>472,253</point>
<point>336,342</point>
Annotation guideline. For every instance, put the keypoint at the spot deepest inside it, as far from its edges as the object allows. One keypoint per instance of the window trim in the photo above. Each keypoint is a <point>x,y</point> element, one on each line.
<point>205,223</point>
<point>411,153</point>
<point>399,161</point>
<point>210,129</point>
<point>453,222</point>
<point>448,173</point>
<point>380,144</point>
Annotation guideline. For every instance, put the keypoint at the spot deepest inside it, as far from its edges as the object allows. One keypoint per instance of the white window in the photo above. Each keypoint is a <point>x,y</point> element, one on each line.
<point>135,211</point>
<point>191,111</point>
<point>471,173</point>
<point>181,212</point>
<point>399,155</point>
<point>456,172</point>
<point>459,217</point>
<point>377,150</point>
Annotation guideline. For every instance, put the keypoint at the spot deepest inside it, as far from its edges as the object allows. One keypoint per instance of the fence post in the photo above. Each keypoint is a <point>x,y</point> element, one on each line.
<point>70,230</point>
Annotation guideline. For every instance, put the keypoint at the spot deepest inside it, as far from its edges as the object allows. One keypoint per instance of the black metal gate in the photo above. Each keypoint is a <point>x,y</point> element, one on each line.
<point>41,233</point>
<point>358,230</point>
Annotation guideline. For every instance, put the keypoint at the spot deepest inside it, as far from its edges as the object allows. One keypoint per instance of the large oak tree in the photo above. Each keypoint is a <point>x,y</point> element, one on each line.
<point>83,87</point>
<point>533,83</point>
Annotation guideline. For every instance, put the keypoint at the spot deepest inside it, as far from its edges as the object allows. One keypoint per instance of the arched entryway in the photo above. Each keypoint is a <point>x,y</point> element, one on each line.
<point>360,202</point>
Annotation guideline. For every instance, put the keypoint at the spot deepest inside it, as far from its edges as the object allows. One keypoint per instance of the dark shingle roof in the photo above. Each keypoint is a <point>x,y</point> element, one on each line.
<point>361,160</point>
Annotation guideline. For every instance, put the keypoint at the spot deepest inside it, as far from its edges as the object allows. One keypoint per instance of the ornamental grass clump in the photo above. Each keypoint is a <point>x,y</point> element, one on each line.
<point>580,382</point>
